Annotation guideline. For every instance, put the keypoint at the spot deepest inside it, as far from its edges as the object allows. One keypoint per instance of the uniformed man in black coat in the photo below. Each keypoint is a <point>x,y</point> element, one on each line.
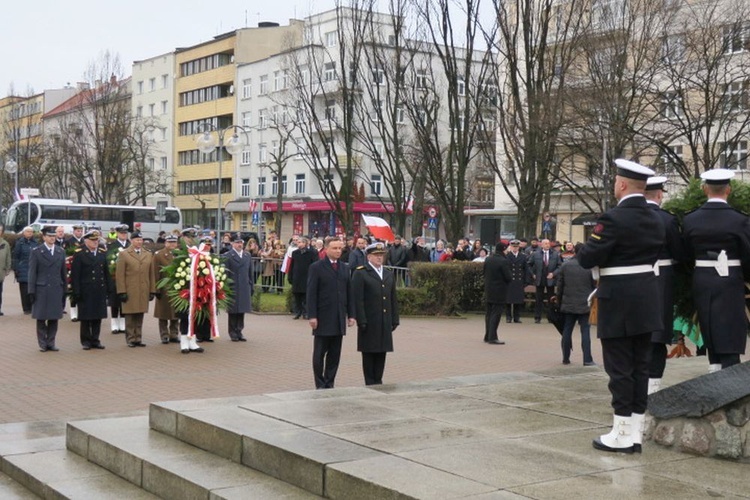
<point>330,309</point>
<point>47,275</point>
<point>717,239</point>
<point>625,246</point>
<point>497,276</point>
<point>374,295</point>
<point>91,283</point>
<point>301,260</point>
<point>518,272</point>
<point>671,254</point>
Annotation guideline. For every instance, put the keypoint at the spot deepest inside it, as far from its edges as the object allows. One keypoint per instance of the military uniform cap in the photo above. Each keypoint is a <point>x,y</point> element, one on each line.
<point>49,231</point>
<point>207,239</point>
<point>188,231</point>
<point>375,249</point>
<point>170,237</point>
<point>515,243</point>
<point>92,234</point>
<point>656,182</point>
<point>717,176</point>
<point>78,226</point>
<point>633,170</point>
<point>135,234</point>
<point>237,238</point>
<point>122,228</point>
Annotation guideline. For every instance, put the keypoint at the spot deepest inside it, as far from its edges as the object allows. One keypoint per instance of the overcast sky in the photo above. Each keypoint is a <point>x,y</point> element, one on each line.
<point>47,44</point>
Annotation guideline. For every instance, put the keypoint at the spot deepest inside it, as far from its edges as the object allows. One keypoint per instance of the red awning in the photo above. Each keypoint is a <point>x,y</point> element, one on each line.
<point>312,206</point>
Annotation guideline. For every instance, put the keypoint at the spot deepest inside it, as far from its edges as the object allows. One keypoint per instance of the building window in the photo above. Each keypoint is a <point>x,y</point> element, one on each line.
<point>669,159</point>
<point>331,38</point>
<point>262,156</point>
<point>274,185</point>
<point>421,81</point>
<point>735,96</point>
<point>328,185</point>
<point>379,147</point>
<point>139,111</point>
<point>247,119</point>
<point>378,76</point>
<point>461,87</point>
<point>152,84</point>
<point>329,72</point>
<point>671,105</point>
<point>245,188</point>
<point>734,155</point>
<point>140,87</point>
<point>274,150</point>
<point>278,80</point>
<point>304,75</point>
<point>399,114</point>
<point>247,88</point>
<point>263,85</point>
<point>736,37</point>
<point>330,113</point>
<point>204,186</point>
<point>151,164</point>
<point>164,105</point>
<point>673,48</point>
<point>283,184</point>
<point>261,186</point>
<point>247,157</point>
<point>376,184</point>
<point>299,184</point>
<point>608,13</point>
<point>164,81</point>
<point>151,109</point>
<point>163,162</point>
<point>301,149</point>
<point>262,118</point>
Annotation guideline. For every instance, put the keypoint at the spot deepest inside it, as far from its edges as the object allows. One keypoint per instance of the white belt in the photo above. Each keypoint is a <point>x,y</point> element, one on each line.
<point>721,264</point>
<point>623,270</point>
<point>665,262</point>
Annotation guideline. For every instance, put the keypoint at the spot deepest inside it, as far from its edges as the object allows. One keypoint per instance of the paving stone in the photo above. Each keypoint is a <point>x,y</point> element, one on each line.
<point>311,413</point>
<point>521,393</point>
<point>343,392</point>
<point>12,490</point>
<point>430,403</point>
<point>163,415</point>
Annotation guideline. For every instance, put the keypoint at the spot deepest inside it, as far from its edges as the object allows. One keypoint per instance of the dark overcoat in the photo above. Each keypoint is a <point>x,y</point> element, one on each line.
<point>162,306</point>
<point>376,309</point>
<point>302,259</point>
<point>20,257</point>
<point>47,277</point>
<point>629,234</point>
<point>497,276</point>
<point>720,301</point>
<point>328,297</point>
<point>91,283</point>
<point>672,250</point>
<point>240,270</point>
<point>518,273</point>
<point>574,285</point>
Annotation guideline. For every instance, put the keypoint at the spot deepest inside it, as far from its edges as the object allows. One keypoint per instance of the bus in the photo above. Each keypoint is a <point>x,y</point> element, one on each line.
<point>40,212</point>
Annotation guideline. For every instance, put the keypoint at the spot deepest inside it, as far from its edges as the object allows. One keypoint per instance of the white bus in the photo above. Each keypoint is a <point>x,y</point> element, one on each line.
<point>40,212</point>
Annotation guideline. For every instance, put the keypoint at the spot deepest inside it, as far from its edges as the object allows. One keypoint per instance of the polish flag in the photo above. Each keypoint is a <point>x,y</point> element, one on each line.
<point>252,206</point>
<point>378,227</point>
<point>410,205</point>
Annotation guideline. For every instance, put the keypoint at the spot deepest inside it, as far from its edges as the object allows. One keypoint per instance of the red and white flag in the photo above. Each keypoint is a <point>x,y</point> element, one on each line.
<point>378,227</point>
<point>252,206</point>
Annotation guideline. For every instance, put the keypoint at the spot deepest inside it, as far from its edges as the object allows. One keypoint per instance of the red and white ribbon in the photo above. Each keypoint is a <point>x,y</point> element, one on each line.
<point>196,256</point>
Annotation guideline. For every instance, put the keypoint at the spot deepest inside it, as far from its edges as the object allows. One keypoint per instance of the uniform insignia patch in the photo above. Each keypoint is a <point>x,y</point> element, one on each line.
<point>598,228</point>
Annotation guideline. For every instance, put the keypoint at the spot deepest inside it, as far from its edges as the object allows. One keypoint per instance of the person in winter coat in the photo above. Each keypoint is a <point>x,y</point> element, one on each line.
<point>239,264</point>
<point>169,323</point>
<point>91,283</point>
<point>376,309</point>
<point>6,263</point>
<point>518,270</point>
<point>46,286</point>
<point>496,278</point>
<point>302,259</point>
<point>574,285</point>
<point>135,287</point>
<point>20,262</point>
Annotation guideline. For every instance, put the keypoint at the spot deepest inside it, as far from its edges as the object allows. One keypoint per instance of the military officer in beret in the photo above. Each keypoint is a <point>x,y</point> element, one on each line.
<point>169,327</point>
<point>671,254</point>
<point>91,283</point>
<point>239,264</point>
<point>119,244</point>
<point>135,287</point>
<point>373,291</point>
<point>625,246</point>
<point>717,239</point>
<point>47,277</point>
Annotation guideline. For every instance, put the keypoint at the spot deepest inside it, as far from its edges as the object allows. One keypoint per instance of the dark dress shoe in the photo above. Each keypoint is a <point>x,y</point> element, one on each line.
<point>53,348</point>
<point>566,361</point>
<point>209,340</point>
<point>235,340</point>
<point>589,363</point>
<point>508,320</point>
<point>200,349</point>
<point>242,339</point>
<point>296,316</point>
<point>165,341</point>
<point>597,444</point>
<point>537,321</point>
<point>42,349</point>
<point>131,344</point>
<point>75,320</point>
<point>199,340</point>
<point>140,344</point>
<point>185,351</point>
<point>517,321</point>
<point>2,313</point>
<point>174,341</point>
<point>496,342</point>
<point>98,346</point>
<point>87,348</point>
<point>637,448</point>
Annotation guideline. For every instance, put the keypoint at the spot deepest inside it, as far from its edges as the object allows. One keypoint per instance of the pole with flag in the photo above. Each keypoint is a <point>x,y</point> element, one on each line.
<point>378,227</point>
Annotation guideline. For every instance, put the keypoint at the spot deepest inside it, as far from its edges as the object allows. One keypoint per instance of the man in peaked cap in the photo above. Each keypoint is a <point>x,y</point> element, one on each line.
<point>671,253</point>
<point>135,287</point>
<point>717,239</point>
<point>169,326</point>
<point>239,265</point>
<point>625,246</point>
<point>91,282</point>
<point>47,276</point>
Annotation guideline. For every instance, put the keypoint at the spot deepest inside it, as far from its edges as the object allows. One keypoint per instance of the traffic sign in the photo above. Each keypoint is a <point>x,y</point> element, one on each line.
<point>30,191</point>
<point>432,223</point>
<point>432,212</point>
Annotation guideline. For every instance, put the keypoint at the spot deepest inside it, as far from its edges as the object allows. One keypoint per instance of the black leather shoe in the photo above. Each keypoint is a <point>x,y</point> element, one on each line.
<point>98,346</point>
<point>200,349</point>
<point>242,339</point>
<point>590,363</point>
<point>517,321</point>
<point>597,444</point>
<point>165,341</point>
<point>131,344</point>
<point>2,313</point>
<point>53,349</point>
<point>296,316</point>
<point>537,321</point>
<point>74,320</point>
<point>637,448</point>
<point>86,348</point>
<point>209,340</point>
<point>42,349</point>
<point>174,341</point>
<point>235,340</point>
<point>566,361</point>
<point>140,344</point>
<point>508,320</point>
<point>496,342</point>
<point>185,351</point>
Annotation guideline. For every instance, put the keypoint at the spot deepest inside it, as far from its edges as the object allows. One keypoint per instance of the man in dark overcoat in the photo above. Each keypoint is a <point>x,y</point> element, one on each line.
<point>518,273</point>
<point>91,283</point>
<point>239,265</point>
<point>671,254</point>
<point>302,259</point>
<point>497,276</point>
<point>376,309</point>
<point>717,239</point>
<point>543,265</point>
<point>169,324</point>
<point>116,246</point>
<point>47,277</point>
<point>330,309</point>
<point>625,245</point>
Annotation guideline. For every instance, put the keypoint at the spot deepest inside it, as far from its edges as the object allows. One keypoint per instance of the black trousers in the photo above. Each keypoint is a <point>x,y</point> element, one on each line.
<point>236,324</point>
<point>543,293</point>
<point>89,331</point>
<point>725,360</point>
<point>25,301</point>
<point>658,360</point>
<point>1,295</point>
<point>46,331</point>
<point>300,303</point>
<point>626,361</point>
<point>492,318</point>
<point>513,312</point>
<point>373,366</point>
<point>325,360</point>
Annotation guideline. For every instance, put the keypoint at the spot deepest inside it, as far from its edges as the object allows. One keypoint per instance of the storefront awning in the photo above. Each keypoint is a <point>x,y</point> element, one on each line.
<point>585,220</point>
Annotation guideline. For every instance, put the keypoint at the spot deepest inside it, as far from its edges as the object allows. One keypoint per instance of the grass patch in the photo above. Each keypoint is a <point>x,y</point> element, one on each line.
<point>271,302</point>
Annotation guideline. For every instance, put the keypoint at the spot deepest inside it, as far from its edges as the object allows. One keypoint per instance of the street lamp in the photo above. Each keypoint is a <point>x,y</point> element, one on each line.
<point>207,143</point>
<point>11,166</point>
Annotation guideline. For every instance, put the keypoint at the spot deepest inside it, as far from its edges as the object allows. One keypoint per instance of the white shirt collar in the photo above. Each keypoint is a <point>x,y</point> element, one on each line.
<point>717,200</point>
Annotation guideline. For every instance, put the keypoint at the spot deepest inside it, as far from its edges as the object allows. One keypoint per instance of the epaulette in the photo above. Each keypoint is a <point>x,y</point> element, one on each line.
<point>359,268</point>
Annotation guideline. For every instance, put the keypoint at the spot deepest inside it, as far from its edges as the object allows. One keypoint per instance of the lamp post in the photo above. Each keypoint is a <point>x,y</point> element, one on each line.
<point>11,166</point>
<point>207,143</point>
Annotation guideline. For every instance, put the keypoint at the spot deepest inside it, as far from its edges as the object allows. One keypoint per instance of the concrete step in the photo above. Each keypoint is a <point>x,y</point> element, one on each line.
<point>167,467</point>
<point>12,490</point>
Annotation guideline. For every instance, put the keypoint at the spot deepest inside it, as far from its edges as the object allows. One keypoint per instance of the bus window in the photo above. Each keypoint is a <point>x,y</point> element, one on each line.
<point>54,212</point>
<point>76,213</point>
<point>143,215</point>
<point>19,217</point>
<point>101,214</point>
<point>172,216</point>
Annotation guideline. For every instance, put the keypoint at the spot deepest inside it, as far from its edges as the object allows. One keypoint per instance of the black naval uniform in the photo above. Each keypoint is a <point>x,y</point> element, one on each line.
<point>628,235</point>
<point>719,300</point>
<point>516,295</point>
<point>670,255</point>
<point>91,284</point>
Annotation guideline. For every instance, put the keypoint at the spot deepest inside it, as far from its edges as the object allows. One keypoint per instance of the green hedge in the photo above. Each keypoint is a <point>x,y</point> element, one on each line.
<point>443,289</point>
